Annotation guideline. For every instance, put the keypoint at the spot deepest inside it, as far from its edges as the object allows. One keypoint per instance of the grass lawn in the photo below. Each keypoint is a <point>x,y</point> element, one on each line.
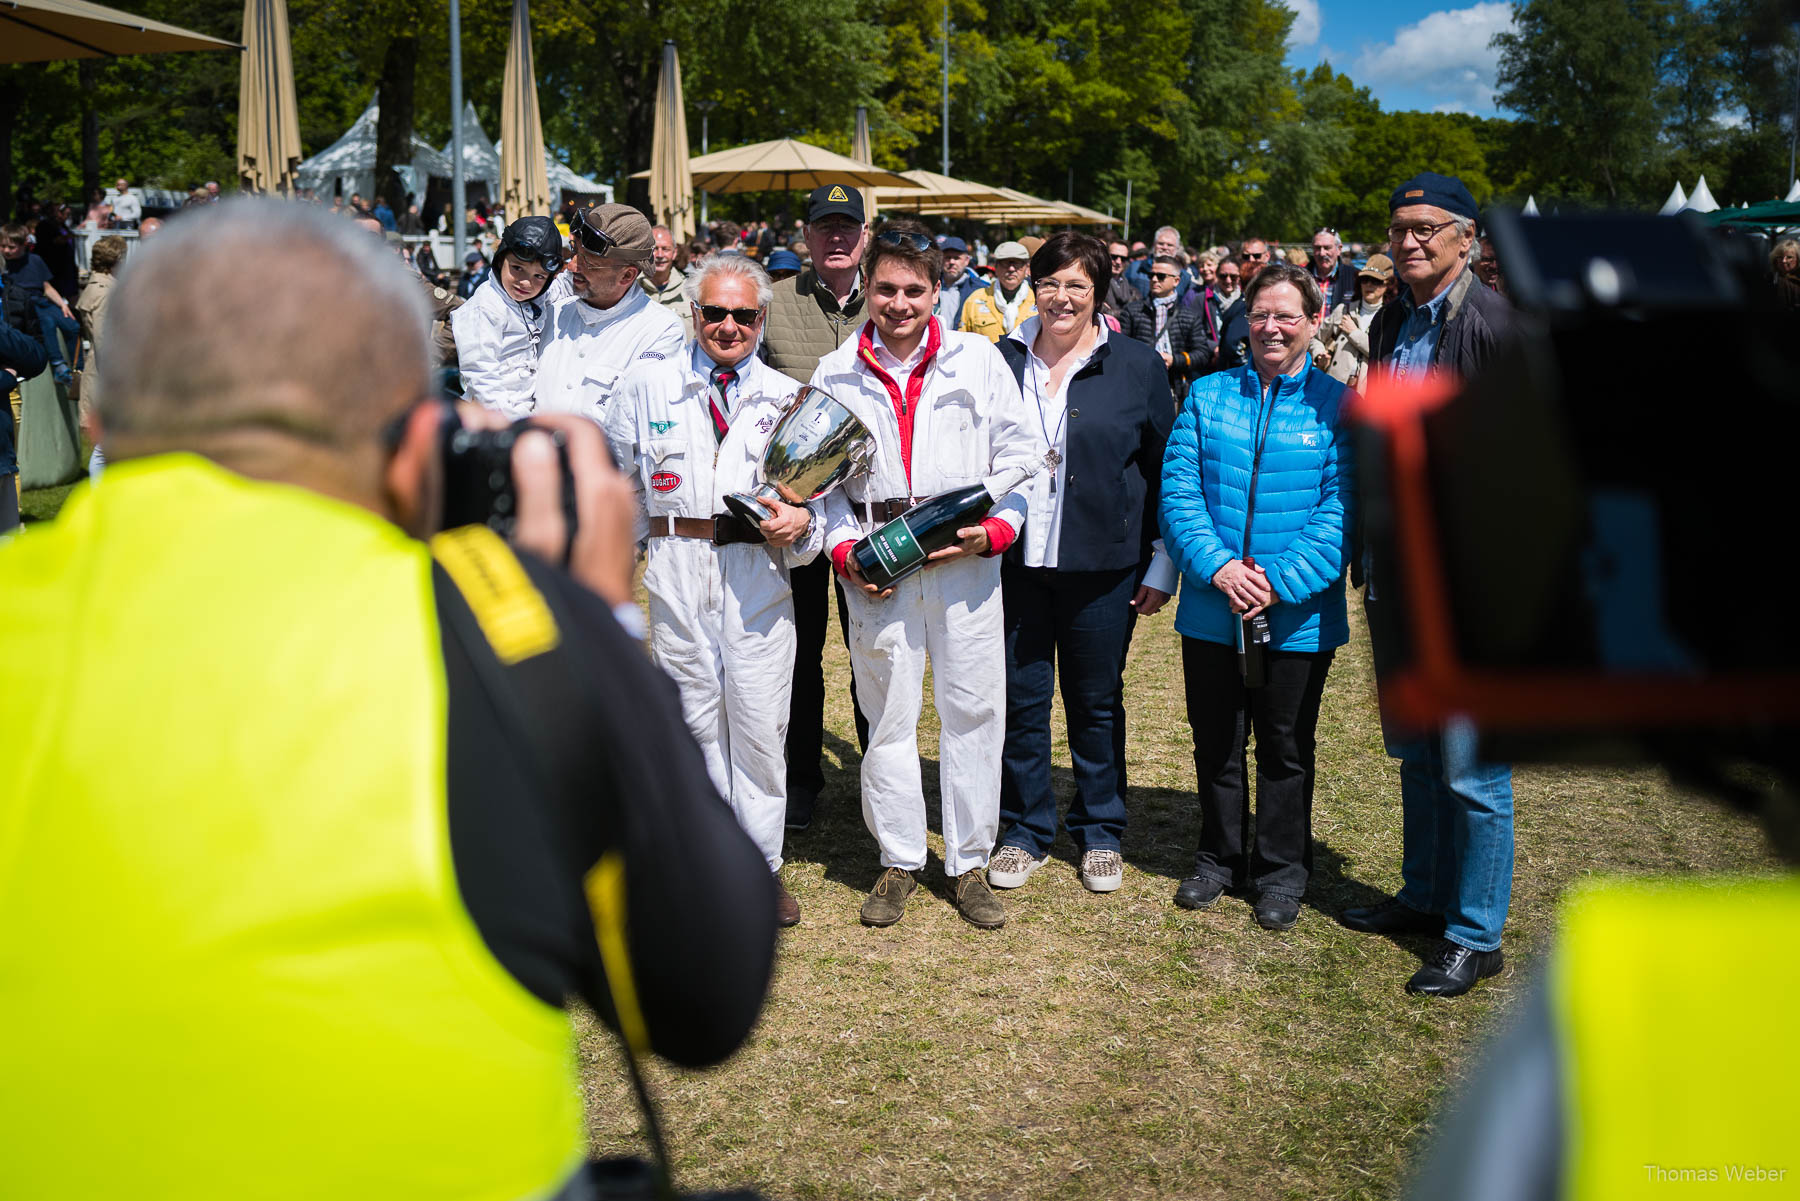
<point>1116,1046</point>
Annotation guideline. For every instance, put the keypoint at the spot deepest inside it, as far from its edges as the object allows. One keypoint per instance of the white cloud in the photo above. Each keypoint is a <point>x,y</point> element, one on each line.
<point>1446,54</point>
<point>1307,22</point>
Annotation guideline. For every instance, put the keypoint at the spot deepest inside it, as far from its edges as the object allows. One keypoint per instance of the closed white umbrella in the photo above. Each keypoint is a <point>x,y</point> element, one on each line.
<point>1530,209</point>
<point>671,182</point>
<point>524,186</point>
<point>1793,193</point>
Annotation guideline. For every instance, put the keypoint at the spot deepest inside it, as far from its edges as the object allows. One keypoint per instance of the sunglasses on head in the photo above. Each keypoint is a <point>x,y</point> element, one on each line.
<point>712,314</point>
<point>594,241</point>
<point>899,237</point>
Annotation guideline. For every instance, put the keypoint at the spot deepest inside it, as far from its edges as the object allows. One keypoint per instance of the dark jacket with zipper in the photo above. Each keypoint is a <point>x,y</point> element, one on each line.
<point>1118,422</point>
<point>1190,343</point>
<point>1475,319</point>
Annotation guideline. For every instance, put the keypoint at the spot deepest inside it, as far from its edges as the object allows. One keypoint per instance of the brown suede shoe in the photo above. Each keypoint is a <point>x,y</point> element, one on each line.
<point>977,902</point>
<point>887,900</point>
<point>787,909</point>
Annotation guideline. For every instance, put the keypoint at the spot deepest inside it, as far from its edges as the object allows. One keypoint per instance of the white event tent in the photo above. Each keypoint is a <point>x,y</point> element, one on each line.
<point>481,163</point>
<point>348,164</point>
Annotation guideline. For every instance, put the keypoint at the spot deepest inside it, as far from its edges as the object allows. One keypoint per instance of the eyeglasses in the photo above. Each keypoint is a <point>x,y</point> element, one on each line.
<point>1164,275</point>
<point>1230,277</point>
<point>1284,320</point>
<point>1422,233</point>
<point>712,314</point>
<point>899,237</point>
<point>1051,287</point>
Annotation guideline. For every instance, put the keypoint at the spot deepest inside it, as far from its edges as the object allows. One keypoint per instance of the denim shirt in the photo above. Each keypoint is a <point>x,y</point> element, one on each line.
<point>1416,347</point>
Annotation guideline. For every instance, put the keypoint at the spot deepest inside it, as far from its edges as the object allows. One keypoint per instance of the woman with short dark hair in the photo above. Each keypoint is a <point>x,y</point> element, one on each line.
<point>1255,496</point>
<point>1084,565</point>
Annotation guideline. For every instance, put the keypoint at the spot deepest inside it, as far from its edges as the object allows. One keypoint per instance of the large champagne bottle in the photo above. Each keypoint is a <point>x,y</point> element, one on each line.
<point>900,547</point>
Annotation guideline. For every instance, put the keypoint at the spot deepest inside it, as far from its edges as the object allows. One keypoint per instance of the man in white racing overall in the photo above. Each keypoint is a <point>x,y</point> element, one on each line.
<point>686,431</point>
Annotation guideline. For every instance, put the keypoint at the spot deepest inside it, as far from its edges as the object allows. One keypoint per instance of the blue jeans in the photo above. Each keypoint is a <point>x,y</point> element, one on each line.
<point>1085,618</point>
<point>50,319</point>
<point>1457,823</point>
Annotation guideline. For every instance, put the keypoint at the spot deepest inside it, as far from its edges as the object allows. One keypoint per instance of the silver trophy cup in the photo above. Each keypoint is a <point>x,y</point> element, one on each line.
<point>817,445</point>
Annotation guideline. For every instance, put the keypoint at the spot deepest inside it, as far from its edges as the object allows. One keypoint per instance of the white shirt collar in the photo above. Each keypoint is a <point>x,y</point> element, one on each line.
<point>893,365</point>
<point>1027,332</point>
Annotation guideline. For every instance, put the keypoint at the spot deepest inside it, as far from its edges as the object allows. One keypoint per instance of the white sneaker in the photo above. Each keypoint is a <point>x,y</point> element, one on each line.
<point>1102,871</point>
<point>1012,866</point>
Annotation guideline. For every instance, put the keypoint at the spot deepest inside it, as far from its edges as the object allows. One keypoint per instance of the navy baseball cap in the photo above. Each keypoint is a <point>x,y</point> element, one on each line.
<point>834,199</point>
<point>953,244</point>
<point>1440,191</point>
<point>784,260</point>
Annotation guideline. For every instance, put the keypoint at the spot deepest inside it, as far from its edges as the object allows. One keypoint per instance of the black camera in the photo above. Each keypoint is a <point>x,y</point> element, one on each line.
<point>478,473</point>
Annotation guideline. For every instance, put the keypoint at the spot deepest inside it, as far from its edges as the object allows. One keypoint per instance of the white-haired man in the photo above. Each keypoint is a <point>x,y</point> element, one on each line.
<point>609,325</point>
<point>686,431</point>
<point>1166,243</point>
<point>1335,275</point>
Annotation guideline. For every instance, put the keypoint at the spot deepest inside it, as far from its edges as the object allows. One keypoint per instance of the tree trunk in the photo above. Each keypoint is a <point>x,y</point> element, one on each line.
<point>88,73</point>
<point>11,93</point>
<point>393,131</point>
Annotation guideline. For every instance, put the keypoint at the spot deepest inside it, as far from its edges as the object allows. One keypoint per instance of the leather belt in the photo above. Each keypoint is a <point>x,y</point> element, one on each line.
<point>721,529</point>
<point>884,511</point>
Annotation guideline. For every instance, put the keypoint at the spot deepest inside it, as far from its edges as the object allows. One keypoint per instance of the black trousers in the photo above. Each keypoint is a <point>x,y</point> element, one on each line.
<point>812,585</point>
<point>1284,713</point>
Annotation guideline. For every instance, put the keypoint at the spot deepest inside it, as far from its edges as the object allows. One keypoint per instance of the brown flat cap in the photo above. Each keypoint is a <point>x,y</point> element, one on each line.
<point>627,227</point>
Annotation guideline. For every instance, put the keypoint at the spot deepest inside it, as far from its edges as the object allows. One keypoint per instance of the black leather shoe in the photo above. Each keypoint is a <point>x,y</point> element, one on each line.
<point>1277,913</point>
<point>1452,970</point>
<point>800,804</point>
<point>1199,892</point>
<point>1392,916</point>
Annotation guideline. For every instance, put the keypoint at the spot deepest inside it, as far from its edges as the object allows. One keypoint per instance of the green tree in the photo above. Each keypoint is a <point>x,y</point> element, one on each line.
<point>1583,75</point>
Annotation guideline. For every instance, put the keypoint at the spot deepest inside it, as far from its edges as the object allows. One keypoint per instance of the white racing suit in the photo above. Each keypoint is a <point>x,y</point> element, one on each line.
<point>721,617</point>
<point>969,426</point>
<point>587,351</point>
<point>498,340</point>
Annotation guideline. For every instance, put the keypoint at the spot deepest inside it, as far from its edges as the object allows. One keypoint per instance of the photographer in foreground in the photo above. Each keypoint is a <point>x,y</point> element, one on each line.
<point>304,837</point>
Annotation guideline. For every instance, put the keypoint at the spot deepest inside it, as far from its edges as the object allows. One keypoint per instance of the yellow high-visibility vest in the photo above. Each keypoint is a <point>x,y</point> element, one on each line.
<point>234,960</point>
<point>1680,1043</point>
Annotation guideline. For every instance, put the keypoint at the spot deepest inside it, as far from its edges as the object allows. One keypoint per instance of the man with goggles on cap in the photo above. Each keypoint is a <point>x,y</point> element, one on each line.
<point>500,330</point>
<point>608,325</point>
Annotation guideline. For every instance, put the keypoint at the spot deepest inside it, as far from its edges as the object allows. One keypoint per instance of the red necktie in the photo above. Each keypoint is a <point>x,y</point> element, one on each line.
<point>715,400</point>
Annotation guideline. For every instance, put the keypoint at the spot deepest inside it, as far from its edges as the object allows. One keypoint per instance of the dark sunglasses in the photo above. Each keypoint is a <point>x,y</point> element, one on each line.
<point>594,241</point>
<point>899,237</point>
<point>1117,258</point>
<point>1163,275</point>
<point>712,314</point>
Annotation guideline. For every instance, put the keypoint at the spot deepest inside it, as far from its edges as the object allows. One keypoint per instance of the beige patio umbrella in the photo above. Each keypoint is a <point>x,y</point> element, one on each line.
<point>268,118</point>
<point>41,31</point>
<point>783,165</point>
<point>861,151</point>
<point>524,185</point>
<point>1011,205</point>
<point>1088,216</point>
<point>671,184</point>
<point>931,189</point>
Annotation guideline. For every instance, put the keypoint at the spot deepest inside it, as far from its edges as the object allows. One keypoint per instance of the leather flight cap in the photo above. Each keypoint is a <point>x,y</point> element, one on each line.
<point>625,228</point>
<point>832,199</point>
<point>1440,191</point>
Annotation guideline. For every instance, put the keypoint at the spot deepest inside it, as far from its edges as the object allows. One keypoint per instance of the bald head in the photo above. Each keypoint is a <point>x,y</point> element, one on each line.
<point>292,382</point>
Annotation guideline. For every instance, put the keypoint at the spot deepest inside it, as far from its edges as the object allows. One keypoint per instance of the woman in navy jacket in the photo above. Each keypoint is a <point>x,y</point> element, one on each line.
<point>1075,580</point>
<point>1256,484</point>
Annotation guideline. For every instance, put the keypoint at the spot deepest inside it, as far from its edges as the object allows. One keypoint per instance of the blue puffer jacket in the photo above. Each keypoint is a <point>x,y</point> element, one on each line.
<point>1303,494</point>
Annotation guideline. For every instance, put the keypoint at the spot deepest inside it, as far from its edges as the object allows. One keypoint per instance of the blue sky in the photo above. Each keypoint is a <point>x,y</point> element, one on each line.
<point>1420,54</point>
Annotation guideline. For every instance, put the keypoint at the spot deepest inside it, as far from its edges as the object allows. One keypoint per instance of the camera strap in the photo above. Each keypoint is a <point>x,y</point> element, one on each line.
<point>505,624</point>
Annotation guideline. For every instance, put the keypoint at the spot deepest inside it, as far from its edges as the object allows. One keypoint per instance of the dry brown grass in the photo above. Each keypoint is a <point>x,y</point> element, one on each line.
<point>1115,1046</point>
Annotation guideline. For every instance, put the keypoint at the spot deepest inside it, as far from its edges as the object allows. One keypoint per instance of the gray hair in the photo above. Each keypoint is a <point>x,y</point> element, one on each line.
<point>1165,229</point>
<point>1334,235</point>
<point>728,264</point>
<point>202,352</point>
<point>1311,299</point>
